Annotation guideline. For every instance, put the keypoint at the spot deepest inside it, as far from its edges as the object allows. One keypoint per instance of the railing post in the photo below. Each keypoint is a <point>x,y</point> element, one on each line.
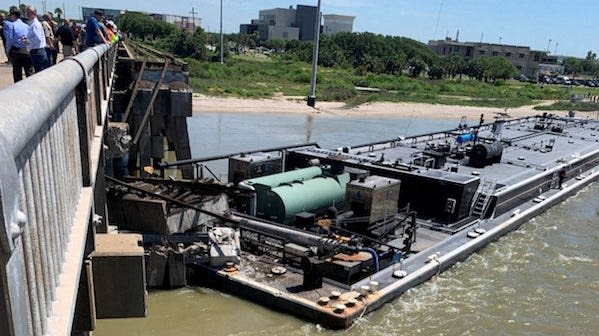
<point>98,92</point>
<point>81,96</point>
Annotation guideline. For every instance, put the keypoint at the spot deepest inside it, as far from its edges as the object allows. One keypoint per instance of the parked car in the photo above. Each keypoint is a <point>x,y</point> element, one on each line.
<point>522,78</point>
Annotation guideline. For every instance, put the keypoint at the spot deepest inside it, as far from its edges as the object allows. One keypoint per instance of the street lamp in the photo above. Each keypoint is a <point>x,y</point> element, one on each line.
<point>312,96</point>
<point>556,44</point>
<point>548,45</point>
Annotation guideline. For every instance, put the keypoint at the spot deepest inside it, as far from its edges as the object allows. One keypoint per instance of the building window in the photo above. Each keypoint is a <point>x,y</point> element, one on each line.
<point>519,67</point>
<point>495,53</point>
<point>508,54</point>
<point>521,55</point>
<point>481,52</point>
<point>537,57</point>
<point>285,35</point>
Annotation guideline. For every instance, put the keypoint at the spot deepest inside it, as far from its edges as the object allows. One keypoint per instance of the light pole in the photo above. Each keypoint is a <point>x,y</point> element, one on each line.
<point>312,96</point>
<point>556,44</point>
<point>221,33</point>
<point>548,45</point>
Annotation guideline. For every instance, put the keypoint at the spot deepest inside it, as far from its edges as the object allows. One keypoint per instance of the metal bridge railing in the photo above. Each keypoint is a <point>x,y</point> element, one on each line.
<point>50,157</point>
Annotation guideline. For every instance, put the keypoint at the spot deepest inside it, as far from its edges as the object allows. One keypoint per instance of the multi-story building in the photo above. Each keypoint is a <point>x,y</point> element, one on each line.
<point>334,24</point>
<point>277,23</point>
<point>293,24</point>
<point>182,22</point>
<point>523,58</point>
<point>110,14</point>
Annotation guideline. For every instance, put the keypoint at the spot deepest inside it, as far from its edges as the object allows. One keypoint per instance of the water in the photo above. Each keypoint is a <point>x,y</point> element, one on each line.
<point>542,279</point>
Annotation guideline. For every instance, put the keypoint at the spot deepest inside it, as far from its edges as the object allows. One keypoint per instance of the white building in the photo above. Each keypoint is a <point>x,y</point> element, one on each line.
<point>334,24</point>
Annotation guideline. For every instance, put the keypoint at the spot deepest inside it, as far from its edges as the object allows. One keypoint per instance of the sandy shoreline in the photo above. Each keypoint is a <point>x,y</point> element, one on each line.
<point>295,105</point>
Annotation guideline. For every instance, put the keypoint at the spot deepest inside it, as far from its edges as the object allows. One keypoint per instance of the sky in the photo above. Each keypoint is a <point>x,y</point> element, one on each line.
<point>570,27</point>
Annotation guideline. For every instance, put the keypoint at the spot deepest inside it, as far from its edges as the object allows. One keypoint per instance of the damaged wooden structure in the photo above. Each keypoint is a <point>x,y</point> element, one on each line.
<point>152,97</point>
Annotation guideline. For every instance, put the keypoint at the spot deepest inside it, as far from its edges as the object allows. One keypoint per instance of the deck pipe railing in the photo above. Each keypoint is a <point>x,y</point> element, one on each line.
<point>51,173</point>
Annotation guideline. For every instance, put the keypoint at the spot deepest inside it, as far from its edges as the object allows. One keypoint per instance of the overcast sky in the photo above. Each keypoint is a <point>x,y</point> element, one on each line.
<point>571,25</point>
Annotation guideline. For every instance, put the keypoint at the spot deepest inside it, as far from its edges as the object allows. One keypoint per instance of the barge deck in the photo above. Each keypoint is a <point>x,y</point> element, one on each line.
<point>413,207</point>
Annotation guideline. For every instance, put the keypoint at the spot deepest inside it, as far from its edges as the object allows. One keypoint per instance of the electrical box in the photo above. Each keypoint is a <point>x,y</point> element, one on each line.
<point>374,196</point>
<point>247,166</point>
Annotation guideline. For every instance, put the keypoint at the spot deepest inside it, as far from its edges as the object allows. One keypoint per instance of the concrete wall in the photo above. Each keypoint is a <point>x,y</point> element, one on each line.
<point>283,33</point>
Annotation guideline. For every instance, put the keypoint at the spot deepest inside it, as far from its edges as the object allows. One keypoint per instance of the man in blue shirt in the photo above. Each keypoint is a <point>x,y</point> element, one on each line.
<point>15,32</point>
<point>93,33</point>
<point>36,41</point>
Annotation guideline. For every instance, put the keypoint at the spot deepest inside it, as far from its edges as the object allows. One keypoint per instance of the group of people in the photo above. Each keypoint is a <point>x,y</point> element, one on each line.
<point>33,46</point>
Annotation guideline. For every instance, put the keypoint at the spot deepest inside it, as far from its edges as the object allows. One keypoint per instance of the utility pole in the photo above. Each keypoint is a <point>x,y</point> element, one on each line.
<point>44,6</point>
<point>221,34</point>
<point>312,96</point>
<point>193,19</point>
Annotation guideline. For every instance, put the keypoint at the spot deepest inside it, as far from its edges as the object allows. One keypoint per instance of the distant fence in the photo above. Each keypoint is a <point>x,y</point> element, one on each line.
<point>51,188</point>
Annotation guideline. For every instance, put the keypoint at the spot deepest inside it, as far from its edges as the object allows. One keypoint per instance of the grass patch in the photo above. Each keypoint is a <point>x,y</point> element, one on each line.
<point>251,77</point>
<point>567,106</point>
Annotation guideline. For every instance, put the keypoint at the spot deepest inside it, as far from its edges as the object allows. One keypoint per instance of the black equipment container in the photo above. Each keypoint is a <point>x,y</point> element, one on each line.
<point>485,154</point>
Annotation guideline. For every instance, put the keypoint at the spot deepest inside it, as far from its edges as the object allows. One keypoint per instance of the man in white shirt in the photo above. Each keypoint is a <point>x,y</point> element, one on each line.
<point>36,41</point>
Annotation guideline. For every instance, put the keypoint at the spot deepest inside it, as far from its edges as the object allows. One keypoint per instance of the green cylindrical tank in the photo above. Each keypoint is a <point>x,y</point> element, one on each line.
<point>275,180</point>
<point>316,195</point>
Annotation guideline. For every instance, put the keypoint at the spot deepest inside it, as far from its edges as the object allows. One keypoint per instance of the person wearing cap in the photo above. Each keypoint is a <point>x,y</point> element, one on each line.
<point>36,41</point>
<point>93,33</point>
<point>14,31</point>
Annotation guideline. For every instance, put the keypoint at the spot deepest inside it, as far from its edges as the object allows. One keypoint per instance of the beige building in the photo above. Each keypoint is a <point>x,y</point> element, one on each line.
<point>523,58</point>
<point>334,24</point>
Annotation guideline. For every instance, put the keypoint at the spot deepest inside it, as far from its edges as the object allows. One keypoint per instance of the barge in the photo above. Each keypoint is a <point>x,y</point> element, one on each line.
<point>329,235</point>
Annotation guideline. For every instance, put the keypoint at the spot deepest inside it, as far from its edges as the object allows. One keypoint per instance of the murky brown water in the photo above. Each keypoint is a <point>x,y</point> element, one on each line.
<point>542,279</point>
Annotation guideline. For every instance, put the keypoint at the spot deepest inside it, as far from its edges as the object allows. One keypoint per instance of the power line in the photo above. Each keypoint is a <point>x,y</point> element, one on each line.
<point>438,18</point>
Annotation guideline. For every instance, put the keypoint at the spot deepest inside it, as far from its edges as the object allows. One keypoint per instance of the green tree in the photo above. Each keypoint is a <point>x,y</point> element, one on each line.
<point>141,26</point>
<point>417,66</point>
<point>275,44</point>
<point>591,55</point>
<point>474,69</point>
<point>495,68</point>
<point>58,12</point>
<point>572,65</point>
<point>453,65</point>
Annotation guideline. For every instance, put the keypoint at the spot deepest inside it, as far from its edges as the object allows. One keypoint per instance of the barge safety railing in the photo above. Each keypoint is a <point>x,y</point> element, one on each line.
<point>51,192</point>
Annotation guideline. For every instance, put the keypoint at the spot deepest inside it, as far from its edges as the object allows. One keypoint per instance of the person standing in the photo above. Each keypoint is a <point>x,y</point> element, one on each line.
<point>561,177</point>
<point>15,32</point>
<point>36,41</point>
<point>66,38</point>
<point>49,36</point>
<point>76,37</point>
<point>93,32</point>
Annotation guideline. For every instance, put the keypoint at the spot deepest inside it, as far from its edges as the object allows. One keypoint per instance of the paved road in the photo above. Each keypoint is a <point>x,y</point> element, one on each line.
<point>6,69</point>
